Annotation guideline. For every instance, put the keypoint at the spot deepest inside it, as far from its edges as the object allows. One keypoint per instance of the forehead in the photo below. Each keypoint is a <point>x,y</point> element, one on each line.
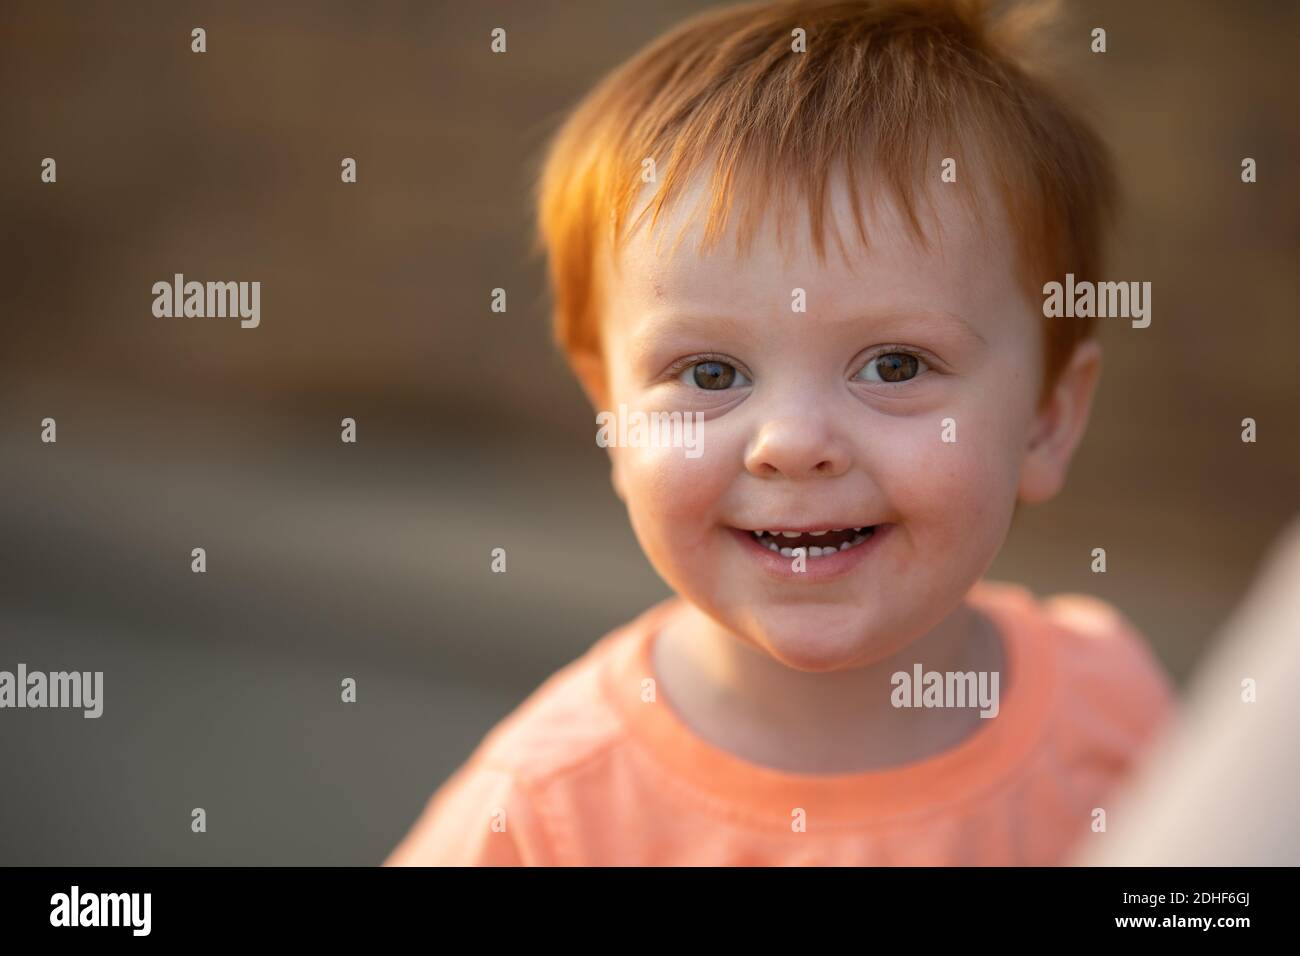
<point>961,261</point>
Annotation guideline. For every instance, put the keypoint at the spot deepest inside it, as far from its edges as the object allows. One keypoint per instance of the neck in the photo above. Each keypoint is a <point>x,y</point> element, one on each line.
<point>743,700</point>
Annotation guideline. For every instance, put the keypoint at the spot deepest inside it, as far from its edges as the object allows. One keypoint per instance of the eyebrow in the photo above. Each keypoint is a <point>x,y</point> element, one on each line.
<point>935,316</point>
<point>674,322</point>
<point>671,321</point>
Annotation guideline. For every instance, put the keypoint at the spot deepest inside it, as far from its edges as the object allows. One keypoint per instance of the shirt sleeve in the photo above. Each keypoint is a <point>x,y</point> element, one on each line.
<point>479,817</point>
<point>1138,690</point>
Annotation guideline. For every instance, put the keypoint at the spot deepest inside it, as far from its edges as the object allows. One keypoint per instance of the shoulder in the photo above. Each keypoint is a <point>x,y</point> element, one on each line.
<point>569,720</point>
<point>1108,659</point>
<point>1109,688</point>
<point>489,812</point>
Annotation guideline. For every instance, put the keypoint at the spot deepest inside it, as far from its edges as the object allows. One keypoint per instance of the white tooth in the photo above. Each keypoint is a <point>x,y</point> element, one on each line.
<point>818,533</point>
<point>845,546</point>
<point>815,552</point>
<point>787,552</point>
<point>857,539</point>
<point>771,546</point>
<point>791,534</point>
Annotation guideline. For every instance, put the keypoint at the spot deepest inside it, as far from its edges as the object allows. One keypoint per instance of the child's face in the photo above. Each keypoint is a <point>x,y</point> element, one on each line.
<point>832,418</point>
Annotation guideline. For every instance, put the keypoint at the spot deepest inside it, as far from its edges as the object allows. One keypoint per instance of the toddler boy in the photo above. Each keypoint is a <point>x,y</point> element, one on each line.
<point>875,194</point>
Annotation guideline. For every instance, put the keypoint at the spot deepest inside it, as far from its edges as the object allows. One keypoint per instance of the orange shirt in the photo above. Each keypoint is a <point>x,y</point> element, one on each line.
<point>585,772</point>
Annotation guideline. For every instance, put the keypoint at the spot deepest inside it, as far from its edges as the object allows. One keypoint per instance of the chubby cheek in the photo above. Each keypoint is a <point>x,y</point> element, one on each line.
<point>673,502</point>
<point>954,500</point>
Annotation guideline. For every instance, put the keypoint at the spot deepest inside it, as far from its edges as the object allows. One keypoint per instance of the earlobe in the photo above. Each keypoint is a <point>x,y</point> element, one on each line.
<point>615,476</point>
<point>1059,425</point>
<point>589,367</point>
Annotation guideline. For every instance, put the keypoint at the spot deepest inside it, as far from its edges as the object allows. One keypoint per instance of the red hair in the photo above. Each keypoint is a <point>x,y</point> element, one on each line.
<point>886,85</point>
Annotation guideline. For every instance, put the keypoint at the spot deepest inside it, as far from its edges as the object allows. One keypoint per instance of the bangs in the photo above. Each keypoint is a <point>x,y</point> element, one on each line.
<point>881,94</point>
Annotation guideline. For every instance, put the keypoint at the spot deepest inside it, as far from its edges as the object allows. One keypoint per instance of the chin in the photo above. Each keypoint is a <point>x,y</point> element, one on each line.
<point>806,640</point>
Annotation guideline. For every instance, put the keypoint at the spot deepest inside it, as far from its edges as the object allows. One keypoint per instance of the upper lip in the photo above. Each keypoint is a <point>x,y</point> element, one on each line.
<point>808,528</point>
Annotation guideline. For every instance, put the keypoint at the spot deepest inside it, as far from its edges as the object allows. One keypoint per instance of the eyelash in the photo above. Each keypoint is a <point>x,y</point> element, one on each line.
<point>675,370</point>
<point>929,364</point>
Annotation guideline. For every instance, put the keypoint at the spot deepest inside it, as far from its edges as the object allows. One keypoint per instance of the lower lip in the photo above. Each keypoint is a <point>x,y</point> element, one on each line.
<point>815,569</point>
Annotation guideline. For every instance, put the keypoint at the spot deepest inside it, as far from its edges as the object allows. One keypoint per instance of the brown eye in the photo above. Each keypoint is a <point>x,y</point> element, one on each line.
<point>891,367</point>
<point>713,375</point>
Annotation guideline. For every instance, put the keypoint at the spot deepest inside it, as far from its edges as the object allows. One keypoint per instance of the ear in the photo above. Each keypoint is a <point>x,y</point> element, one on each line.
<point>1058,426</point>
<point>589,367</point>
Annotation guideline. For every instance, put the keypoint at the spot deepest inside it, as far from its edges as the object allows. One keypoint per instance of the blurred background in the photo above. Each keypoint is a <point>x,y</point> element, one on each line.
<point>371,561</point>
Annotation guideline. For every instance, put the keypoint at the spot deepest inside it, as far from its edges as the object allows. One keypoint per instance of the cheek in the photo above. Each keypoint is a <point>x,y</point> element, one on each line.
<point>953,495</point>
<point>672,497</point>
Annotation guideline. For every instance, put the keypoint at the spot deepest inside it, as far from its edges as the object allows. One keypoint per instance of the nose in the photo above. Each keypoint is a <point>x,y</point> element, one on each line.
<point>796,448</point>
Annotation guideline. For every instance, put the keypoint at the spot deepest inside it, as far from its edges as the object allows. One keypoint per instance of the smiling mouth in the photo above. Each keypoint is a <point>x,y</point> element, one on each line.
<point>814,544</point>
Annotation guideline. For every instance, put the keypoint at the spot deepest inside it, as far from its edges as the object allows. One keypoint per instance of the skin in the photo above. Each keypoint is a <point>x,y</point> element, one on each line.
<point>793,671</point>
